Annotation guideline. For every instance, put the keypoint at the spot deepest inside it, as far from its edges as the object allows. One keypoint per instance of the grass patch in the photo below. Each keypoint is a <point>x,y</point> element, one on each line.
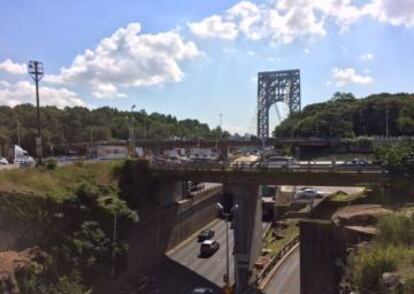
<point>289,233</point>
<point>60,182</point>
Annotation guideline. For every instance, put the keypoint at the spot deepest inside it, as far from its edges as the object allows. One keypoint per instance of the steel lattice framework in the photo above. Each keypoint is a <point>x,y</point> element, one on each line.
<point>272,87</point>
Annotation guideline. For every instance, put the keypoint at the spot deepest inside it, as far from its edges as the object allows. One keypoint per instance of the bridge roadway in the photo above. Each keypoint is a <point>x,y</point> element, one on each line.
<point>308,176</point>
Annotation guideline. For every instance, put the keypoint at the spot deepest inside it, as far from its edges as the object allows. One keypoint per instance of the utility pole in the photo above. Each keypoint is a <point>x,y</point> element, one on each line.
<point>36,72</point>
<point>386,121</point>
<point>131,134</point>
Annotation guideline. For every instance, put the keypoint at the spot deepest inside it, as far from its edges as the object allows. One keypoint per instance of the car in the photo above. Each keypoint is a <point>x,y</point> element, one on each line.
<point>355,163</point>
<point>3,161</point>
<point>209,247</point>
<point>205,235</point>
<point>308,193</point>
<point>202,290</point>
<point>280,162</point>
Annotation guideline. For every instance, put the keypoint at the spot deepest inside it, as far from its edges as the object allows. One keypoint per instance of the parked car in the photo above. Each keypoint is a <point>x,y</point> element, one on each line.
<point>205,235</point>
<point>209,247</point>
<point>202,290</point>
<point>3,161</point>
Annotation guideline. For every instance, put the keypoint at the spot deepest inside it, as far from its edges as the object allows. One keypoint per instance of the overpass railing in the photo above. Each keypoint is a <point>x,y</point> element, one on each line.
<point>226,166</point>
<point>275,260</point>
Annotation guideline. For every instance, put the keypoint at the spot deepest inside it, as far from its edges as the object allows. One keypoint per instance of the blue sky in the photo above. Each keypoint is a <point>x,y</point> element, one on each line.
<point>196,59</point>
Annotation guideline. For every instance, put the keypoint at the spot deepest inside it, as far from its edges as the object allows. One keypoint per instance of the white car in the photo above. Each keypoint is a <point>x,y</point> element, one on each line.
<point>3,161</point>
<point>307,193</point>
<point>280,162</point>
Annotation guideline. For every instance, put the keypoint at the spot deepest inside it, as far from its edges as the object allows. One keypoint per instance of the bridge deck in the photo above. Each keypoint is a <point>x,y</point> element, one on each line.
<point>311,176</point>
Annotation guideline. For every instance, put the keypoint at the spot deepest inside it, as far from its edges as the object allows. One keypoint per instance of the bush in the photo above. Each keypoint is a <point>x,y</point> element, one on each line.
<point>51,164</point>
<point>369,264</point>
<point>396,230</point>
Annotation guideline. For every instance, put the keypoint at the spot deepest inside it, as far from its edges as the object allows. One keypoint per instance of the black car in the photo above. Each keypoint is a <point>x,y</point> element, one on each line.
<point>205,235</point>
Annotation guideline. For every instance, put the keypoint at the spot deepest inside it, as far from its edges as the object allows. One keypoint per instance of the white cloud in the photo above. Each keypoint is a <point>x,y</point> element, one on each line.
<point>250,53</point>
<point>279,21</point>
<point>367,56</point>
<point>13,68</point>
<point>346,76</point>
<point>24,92</point>
<point>395,12</point>
<point>214,27</point>
<point>307,50</point>
<point>128,58</point>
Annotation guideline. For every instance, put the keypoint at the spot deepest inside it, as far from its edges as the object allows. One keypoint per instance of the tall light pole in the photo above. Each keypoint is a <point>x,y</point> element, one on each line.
<point>226,276</point>
<point>131,134</point>
<point>36,72</point>
<point>18,133</point>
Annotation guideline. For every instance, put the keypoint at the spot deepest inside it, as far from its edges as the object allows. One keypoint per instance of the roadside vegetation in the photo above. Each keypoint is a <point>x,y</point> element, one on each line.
<point>277,238</point>
<point>74,210</point>
<point>385,265</point>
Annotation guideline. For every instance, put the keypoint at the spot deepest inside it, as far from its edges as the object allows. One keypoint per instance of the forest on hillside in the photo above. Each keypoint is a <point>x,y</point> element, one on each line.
<point>79,124</point>
<point>346,116</point>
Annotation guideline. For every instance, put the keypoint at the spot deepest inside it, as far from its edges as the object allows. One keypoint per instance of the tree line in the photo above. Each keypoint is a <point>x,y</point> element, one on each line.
<point>80,124</point>
<point>345,116</point>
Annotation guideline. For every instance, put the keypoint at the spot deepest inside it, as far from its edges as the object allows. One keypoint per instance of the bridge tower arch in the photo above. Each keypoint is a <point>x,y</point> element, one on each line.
<point>272,87</point>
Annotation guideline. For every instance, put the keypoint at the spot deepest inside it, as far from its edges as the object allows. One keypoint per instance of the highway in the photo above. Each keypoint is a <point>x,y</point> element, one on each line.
<point>286,279</point>
<point>183,269</point>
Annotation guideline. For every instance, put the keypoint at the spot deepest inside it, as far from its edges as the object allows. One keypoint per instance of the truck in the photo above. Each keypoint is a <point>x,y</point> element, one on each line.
<point>17,155</point>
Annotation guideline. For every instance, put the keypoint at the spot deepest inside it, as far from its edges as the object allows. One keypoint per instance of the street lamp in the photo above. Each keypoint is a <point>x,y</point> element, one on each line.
<point>226,276</point>
<point>131,131</point>
<point>36,71</point>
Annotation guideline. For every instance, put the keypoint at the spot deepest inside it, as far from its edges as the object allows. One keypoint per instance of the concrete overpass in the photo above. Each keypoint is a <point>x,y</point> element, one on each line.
<point>311,176</point>
<point>243,183</point>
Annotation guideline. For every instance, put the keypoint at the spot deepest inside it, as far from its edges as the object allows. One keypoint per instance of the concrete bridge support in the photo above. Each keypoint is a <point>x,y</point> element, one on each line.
<point>169,192</point>
<point>247,233</point>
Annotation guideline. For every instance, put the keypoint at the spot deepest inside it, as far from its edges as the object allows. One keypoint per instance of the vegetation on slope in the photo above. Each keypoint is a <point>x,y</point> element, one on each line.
<point>71,213</point>
<point>345,116</point>
<point>392,251</point>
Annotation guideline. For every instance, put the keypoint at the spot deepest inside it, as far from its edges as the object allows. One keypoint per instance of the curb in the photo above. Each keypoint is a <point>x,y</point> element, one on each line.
<point>192,237</point>
<point>269,277</point>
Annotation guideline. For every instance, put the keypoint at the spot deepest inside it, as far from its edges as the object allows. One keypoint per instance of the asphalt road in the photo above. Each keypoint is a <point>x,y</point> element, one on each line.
<point>184,270</point>
<point>286,280</point>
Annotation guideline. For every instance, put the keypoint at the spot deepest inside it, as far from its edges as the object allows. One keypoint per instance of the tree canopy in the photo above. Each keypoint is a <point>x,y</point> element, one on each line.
<point>345,116</point>
<point>79,124</point>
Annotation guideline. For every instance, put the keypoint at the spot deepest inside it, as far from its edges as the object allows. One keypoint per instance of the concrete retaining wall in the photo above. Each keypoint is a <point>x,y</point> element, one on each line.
<point>321,247</point>
<point>162,227</point>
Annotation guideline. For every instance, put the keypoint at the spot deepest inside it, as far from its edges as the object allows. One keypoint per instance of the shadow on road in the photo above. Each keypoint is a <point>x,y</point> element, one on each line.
<point>172,277</point>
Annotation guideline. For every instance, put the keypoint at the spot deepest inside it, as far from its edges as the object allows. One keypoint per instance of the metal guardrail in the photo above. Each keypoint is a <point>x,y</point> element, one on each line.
<point>220,166</point>
<point>267,269</point>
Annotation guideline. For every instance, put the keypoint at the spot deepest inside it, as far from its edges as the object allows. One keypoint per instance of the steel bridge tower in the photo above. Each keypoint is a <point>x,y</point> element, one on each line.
<point>272,87</point>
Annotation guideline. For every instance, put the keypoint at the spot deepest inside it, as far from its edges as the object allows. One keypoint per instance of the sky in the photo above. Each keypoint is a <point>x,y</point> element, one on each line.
<point>200,59</point>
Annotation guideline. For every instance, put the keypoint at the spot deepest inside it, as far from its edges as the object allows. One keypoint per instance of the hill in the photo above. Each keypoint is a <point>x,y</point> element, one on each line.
<point>346,116</point>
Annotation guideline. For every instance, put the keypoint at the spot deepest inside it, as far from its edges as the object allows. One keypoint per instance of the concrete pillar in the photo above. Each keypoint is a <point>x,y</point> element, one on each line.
<point>169,192</point>
<point>247,234</point>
